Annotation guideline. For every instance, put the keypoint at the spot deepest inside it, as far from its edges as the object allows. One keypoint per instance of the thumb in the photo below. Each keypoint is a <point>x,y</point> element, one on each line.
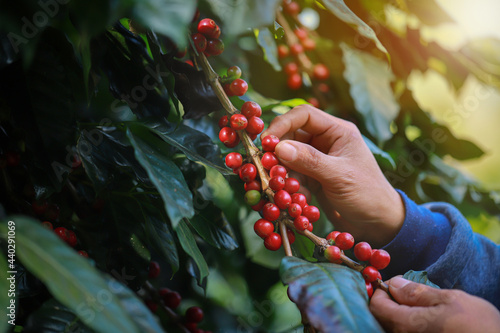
<point>415,294</point>
<point>305,159</point>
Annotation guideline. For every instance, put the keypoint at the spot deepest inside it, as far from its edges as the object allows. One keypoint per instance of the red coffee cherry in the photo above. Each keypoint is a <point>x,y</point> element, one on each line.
<point>310,227</point>
<point>296,49</point>
<point>83,253</point>
<point>258,207</point>
<point>72,240</point>
<point>312,213</point>
<point>308,44</point>
<point>255,125</point>
<point>291,235</point>
<point>301,223</point>
<point>238,122</point>
<point>301,33</point>
<point>363,251</point>
<point>223,121</point>
<point>152,306</point>
<point>269,160</point>
<point>39,207</point>
<point>332,254</point>
<point>291,8</point>
<point>291,68</point>
<point>172,299</point>
<point>380,259</point>
<point>278,170</point>
<point>63,233</point>
<point>227,89</point>
<point>239,87</point>
<point>273,242</point>
<point>292,185</point>
<point>215,34</point>
<point>194,314</point>
<point>248,172</point>
<point>48,225</point>
<point>253,185</point>
<point>370,273</point>
<point>283,51</point>
<point>215,47</point>
<point>200,42</point>
<point>251,109</point>
<point>269,143</point>
<point>282,199</point>
<point>276,183</point>
<point>271,212</point>
<point>332,235</point>
<point>207,26</point>
<point>234,160</point>
<point>323,87</point>
<point>227,135</point>
<point>344,241</point>
<point>294,81</point>
<point>263,228</point>
<point>369,289</point>
<point>321,72</point>
<point>154,270</point>
<point>300,199</point>
<point>313,101</point>
<point>294,210</point>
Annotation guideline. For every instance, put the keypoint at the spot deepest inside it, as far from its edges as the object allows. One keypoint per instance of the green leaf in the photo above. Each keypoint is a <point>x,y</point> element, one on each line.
<point>197,146</point>
<point>163,173</point>
<point>213,227</point>
<point>332,296</point>
<point>53,317</point>
<point>340,9</point>
<point>240,16</point>
<point>419,277</point>
<point>168,17</point>
<point>370,88</point>
<point>188,243</point>
<point>70,278</point>
<point>160,236</point>
<point>266,41</point>
<point>383,158</point>
<point>4,297</point>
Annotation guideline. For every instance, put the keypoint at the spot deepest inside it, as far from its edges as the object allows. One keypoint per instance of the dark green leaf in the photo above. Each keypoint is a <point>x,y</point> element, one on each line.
<point>332,296</point>
<point>266,41</point>
<point>54,317</point>
<point>370,88</point>
<point>188,243</point>
<point>340,9</point>
<point>385,160</point>
<point>69,277</point>
<point>193,90</point>
<point>419,277</point>
<point>212,226</point>
<point>106,154</point>
<point>197,146</point>
<point>168,17</point>
<point>160,236</point>
<point>239,16</point>
<point>163,173</point>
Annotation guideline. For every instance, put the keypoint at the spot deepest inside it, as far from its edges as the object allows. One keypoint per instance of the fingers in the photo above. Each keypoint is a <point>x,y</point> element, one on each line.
<point>311,121</point>
<point>305,159</point>
<point>415,294</point>
<point>389,313</point>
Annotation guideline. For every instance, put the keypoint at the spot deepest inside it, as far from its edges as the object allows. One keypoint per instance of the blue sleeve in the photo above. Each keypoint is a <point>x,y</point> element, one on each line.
<point>435,237</point>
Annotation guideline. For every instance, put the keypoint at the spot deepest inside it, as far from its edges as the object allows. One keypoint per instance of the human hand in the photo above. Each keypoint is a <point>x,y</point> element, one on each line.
<point>425,309</point>
<point>331,152</point>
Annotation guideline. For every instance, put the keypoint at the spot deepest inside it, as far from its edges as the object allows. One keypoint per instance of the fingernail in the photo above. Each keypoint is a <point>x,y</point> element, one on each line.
<point>263,134</point>
<point>398,282</point>
<point>286,152</point>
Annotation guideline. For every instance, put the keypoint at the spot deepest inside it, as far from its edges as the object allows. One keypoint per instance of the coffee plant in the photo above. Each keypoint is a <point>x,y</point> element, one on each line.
<point>137,195</point>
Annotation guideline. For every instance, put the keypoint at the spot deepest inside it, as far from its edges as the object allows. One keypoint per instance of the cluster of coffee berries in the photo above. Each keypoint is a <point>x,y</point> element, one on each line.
<point>68,236</point>
<point>206,40</point>
<point>172,299</point>
<point>374,259</point>
<point>293,54</point>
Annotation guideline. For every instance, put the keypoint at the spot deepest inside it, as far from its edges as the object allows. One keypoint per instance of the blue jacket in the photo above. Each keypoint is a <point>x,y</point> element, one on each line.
<point>436,237</point>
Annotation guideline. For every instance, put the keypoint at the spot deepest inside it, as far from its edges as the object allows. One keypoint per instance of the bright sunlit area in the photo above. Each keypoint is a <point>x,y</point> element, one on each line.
<point>474,111</point>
